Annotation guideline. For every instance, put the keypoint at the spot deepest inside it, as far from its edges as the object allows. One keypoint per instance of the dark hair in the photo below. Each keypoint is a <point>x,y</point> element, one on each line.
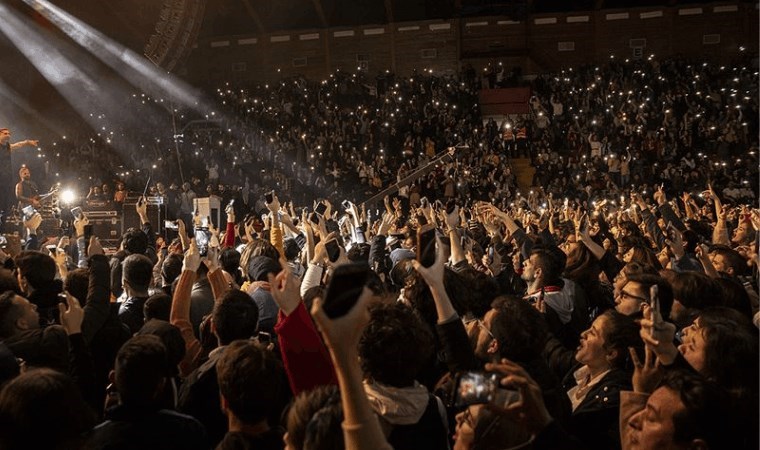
<point>235,316</point>
<point>582,266</point>
<point>551,263</point>
<point>157,306</point>
<point>620,333</point>
<point>694,290</point>
<point>138,272</point>
<point>518,328</point>
<point>645,255</point>
<point>141,367</point>
<point>9,313</point>
<point>230,262</point>
<point>707,413</point>
<point>37,267</point>
<point>135,241</point>
<point>665,292</point>
<point>734,296</point>
<point>77,283</point>
<point>291,249</point>
<point>733,258</point>
<point>731,341</point>
<point>249,379</point>
<point>171,268</point>
<point>395,346</point>
<point>172,339</point>
<point>8,281</point>
<point>358,252</point>
<point>43,408</point>
<point>312,293</point>
<point>314,420</point>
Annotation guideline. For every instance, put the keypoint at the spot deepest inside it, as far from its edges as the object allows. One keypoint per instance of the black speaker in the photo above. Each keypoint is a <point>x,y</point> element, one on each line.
<point>156,216</point>
<point>106,228</point>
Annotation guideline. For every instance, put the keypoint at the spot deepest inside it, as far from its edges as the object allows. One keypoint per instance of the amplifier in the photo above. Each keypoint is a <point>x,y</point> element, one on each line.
<point>106,228</point>
<point>102,214</point>
<point>156,216</point>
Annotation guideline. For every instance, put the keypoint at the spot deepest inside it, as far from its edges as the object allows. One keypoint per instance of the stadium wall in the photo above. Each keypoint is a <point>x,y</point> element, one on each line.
<point>540,43</point>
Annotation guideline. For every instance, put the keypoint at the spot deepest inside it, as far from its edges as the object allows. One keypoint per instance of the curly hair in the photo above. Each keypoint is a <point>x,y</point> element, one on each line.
<point>395,346</point>
<point>314,419</point>
<point>518,328</point>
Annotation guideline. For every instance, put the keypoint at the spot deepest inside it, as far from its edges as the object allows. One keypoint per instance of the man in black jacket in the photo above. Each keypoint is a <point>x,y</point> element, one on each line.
<point>134,242</point>
<point>136,278</point>
<point>138,422</point>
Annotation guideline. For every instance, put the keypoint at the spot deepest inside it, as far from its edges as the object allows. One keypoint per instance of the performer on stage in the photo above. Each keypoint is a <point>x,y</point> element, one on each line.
<point>7,199</point>
<point>27,192</point>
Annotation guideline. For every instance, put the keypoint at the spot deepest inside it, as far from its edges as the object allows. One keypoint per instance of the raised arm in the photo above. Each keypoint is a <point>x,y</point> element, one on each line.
<point>361,428</point>
<point>180,311</point>
<point>306,360</point>
<point>97,308</point>
<point>25,143</point>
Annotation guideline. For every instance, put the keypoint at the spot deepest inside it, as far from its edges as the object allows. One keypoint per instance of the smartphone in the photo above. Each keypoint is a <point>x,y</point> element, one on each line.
<point>424,202</point>
<point>269,197</point>
<point>314,218</point>
<point>473,388</point>
<point>28,211</point>
<point>346,204</point>
<point>426,245</point>
<point>87,233</point>
<point>320,209</point>
<point>51,248</point>
<point>264,338</point>
<point>170,225</point>
<point>333,250</point>
<point>77,212</point>
<point>344,288</point>
<point>202,237</point>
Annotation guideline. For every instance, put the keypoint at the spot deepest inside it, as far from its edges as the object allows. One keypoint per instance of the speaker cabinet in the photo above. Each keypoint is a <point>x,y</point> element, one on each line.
<point>156,217</point>
<point>106,228</point>
<point>209,207</point>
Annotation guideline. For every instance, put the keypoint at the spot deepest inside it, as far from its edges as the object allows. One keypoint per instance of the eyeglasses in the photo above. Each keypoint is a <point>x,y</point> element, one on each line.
<point>480,324</point>
<point>624,294</point>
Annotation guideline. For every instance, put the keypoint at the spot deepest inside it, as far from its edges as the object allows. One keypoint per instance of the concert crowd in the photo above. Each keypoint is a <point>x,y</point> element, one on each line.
<point>381,280</point>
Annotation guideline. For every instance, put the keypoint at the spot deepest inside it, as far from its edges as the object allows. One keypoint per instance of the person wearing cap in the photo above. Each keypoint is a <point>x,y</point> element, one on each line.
<point>7,198</point>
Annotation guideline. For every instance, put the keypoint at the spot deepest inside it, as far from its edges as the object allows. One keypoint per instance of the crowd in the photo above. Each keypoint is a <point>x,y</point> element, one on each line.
<point>613,305</point>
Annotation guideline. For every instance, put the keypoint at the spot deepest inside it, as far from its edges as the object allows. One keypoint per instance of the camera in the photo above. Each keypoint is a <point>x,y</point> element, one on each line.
<point>474,388</point>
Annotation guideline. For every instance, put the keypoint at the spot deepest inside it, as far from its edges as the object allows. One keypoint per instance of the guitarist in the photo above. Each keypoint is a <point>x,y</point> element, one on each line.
<point>27,192</point>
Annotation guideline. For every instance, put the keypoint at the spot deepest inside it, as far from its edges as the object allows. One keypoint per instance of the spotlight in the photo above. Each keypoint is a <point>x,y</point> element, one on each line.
<point>68,196</point>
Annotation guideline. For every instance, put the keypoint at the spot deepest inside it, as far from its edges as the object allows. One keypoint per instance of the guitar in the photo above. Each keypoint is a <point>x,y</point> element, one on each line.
<point>38,200</point>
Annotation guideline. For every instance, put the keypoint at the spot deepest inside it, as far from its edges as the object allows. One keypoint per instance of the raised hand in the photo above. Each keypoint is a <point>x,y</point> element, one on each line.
<point>285,288</point>
<point>646,376</point>
<point>192,259</point>
<point>530,409</point>
<point>71,314</point>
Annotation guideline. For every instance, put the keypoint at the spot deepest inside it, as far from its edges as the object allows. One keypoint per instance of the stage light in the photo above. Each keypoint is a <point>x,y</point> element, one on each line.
<point>68,196</point>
